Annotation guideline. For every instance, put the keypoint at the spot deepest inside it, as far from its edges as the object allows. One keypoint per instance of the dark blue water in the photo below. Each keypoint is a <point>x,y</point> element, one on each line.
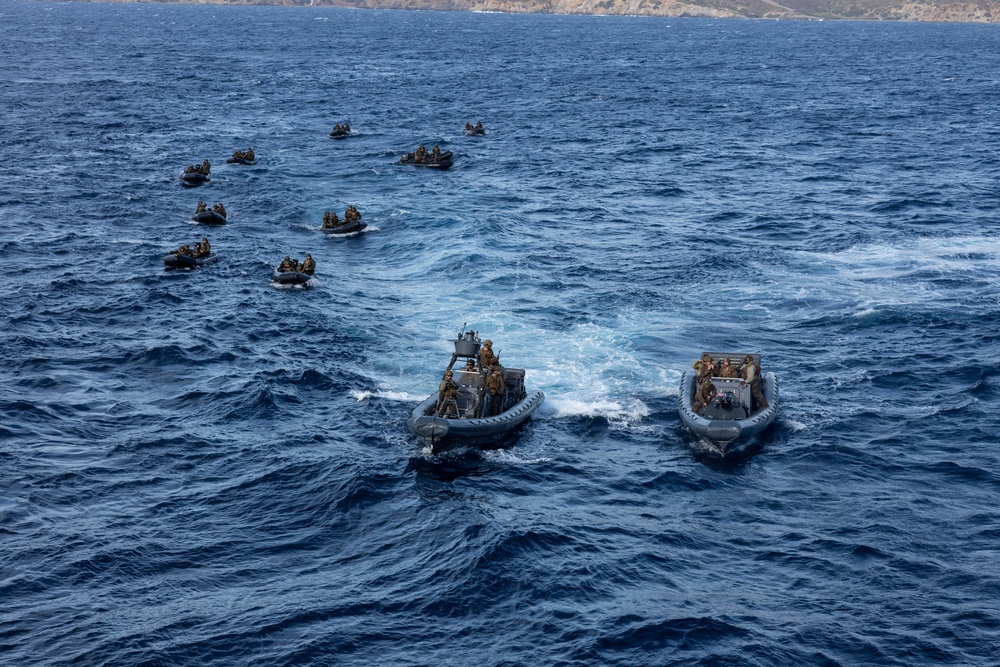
<point>197,468</point>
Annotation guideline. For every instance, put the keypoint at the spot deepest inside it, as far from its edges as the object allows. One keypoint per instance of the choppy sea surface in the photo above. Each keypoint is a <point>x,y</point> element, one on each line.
<point>197,468</point>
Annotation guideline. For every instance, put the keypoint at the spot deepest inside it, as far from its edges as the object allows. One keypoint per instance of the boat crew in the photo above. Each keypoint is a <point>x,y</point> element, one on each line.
<point>447,391</point>
<point>206,247</point>
<point>486,356</point>
<point>202,207</point>
<point>750,373</point>
<point>706,392</point>
<point>705,367</point>
<point>495,385</point>
<point>286,265</point>
<point>727,370</point>
<point>309,265</point>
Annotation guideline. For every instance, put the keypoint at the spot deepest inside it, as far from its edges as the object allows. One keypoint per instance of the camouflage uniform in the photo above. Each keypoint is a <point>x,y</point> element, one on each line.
<point>309,265</point>
<point>201,208</point>
<point>705,368</point>
<point>447,391</point>
<point>727,370</point>
<point>495,385</point>
<point>286,265</point>
<point>486,356</point>
<point>206,247</point>
<point>751,375</point>
<point>706,392</point>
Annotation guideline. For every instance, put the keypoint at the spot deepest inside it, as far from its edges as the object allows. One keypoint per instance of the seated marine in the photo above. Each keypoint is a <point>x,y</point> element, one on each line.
<point>206,247</point>
<point>309,265</point>
<point>436,154</point>
<point>220,209</point>
<point>346,127</point>
<point>190,169</point>
<point>201,208</point>
<point>470,365</point>
<point>286,265</point>
<point>479,125</point>
<point>206,167</point>
<point>330,220</point>
<point>468,127</point>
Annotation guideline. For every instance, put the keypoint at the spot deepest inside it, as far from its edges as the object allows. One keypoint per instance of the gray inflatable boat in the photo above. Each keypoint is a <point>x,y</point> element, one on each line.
<point>732,414</point>
<point>478,423</point>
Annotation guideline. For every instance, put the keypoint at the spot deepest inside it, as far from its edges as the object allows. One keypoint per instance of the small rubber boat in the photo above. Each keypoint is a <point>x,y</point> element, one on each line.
<point>345,228</point>
<point>732,413</point>
<point>291,277</point>
<point>177,261</point>
<point>340,134</point>
<point>476,423</point>
<point>209,218</point>
<point>444,162</point>
<point>474,132</point>
<point>194,179</point>
<point>241,160</point>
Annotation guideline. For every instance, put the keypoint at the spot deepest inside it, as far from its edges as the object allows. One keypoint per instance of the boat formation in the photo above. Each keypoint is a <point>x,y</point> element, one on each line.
<point>197,174</point>
<point>350,224</point>
<point>477,402</point>
<point>725,398</point>
<point>187,257</point>
<point>293,272</point>
<point>433,159</point>
<point>341,131</point>
<point>243,157</point>
<point>217,216</point>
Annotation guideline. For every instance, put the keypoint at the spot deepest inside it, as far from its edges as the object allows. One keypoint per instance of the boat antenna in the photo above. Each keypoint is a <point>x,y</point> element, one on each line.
<point>462,332</point>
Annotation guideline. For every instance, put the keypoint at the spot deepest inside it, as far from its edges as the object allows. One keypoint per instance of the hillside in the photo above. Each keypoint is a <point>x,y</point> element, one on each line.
<point>978,11</point>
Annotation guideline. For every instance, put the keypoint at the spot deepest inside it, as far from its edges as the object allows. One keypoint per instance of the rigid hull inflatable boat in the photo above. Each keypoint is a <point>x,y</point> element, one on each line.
<point>479,421</point>
<point>731,412</point>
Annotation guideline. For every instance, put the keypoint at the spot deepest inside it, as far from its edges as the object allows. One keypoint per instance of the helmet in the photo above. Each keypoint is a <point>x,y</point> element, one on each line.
<point>487,343</point>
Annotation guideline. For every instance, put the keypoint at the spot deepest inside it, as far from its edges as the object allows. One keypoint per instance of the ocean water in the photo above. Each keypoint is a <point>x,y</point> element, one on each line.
<point>197,468</point>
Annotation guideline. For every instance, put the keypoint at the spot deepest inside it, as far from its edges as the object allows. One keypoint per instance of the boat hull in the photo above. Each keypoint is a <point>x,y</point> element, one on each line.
<point>210,218</point>
<point>291,278</point>
<point>723,432</point>
<point>194,180</point>
<point>444,162</point>
<point>347,228</point>
<point>443,433</point>
<point>240,160</point>
<point>175,261</point>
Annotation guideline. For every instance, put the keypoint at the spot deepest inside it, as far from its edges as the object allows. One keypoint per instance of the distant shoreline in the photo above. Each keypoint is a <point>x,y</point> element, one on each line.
<point>918,11</point>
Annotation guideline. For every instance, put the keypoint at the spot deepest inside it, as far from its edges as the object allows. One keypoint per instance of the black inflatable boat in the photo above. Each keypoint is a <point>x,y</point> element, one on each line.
<point>444,162</point>
<point>345,228</point>
<point>291,277</point>
<point>193,179</point>
<point>241,160</point>
<point>177,261</point>
<point>209,218</point>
